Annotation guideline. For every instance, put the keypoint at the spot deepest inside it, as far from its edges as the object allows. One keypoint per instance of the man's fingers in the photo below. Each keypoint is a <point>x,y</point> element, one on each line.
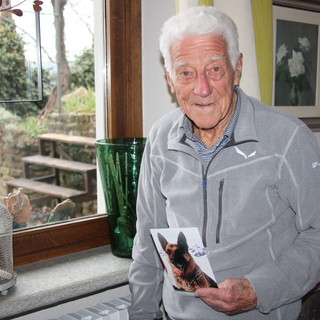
<point>232,297</point>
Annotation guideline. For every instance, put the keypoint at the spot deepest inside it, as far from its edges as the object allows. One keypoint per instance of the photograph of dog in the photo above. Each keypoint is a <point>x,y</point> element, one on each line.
<point>187,273</point>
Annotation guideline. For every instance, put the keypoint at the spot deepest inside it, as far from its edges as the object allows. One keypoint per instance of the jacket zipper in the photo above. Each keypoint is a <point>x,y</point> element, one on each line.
<point>205,206</point>
<point>218,231</point>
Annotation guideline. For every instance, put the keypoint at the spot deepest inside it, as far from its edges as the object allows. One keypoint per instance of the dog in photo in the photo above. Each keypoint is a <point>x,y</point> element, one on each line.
<point>188,275</point>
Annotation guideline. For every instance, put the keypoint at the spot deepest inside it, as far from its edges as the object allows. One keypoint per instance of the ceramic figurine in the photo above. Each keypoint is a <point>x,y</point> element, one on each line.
<point>18,205</point>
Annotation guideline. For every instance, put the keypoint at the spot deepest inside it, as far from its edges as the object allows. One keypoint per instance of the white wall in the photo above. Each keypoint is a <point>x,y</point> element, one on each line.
<point>157,99</point>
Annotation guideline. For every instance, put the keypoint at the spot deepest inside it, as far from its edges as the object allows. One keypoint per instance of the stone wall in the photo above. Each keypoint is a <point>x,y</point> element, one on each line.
<point>77,124</point>
<point>10,159</point>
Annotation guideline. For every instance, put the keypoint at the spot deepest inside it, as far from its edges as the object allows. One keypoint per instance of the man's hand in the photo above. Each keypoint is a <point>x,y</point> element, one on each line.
<point>232,297</point>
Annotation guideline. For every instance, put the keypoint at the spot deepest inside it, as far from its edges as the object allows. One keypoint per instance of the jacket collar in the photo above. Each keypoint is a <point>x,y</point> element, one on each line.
<point>245,129</point>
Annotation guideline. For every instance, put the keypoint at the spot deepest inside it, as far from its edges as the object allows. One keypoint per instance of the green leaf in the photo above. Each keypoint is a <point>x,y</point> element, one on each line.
<point>127,224</point>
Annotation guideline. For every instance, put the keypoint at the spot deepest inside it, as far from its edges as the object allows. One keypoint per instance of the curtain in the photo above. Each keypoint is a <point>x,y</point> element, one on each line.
<point>263,31</point>
<point>205,2</point>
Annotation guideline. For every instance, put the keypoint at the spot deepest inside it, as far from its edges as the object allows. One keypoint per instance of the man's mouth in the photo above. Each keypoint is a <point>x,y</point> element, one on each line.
<point>204,105</point>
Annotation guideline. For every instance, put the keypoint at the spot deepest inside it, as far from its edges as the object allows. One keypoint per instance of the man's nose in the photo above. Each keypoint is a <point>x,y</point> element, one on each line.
<point>202,86</point>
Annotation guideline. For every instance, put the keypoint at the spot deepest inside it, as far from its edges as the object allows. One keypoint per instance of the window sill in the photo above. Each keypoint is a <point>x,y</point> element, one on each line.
<point>57,280</point>
<point>60,239</point>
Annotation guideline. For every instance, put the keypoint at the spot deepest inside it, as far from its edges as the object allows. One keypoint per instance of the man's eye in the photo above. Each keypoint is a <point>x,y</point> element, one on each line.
<point>216,73</point>
<point>185,73</point>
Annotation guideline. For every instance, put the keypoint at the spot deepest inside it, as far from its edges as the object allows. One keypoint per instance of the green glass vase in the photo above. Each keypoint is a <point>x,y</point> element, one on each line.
<point>119,164</point>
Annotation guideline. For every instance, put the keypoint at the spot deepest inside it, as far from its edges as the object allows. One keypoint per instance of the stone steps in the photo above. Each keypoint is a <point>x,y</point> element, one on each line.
<point>54,189</point>
<point>46,188</point>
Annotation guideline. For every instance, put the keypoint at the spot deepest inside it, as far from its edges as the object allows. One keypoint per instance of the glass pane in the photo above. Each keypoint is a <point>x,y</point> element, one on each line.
<point>20,57</point>
<point>47,148</point>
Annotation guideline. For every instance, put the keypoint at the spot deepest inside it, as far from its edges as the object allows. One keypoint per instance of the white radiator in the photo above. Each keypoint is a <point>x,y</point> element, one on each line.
<point>112,310</point>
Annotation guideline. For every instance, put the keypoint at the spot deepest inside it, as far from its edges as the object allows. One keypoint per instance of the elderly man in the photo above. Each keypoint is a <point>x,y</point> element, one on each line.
<point>246,175</point>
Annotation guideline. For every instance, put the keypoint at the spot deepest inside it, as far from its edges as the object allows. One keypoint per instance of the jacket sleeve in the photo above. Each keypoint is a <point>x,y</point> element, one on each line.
<point>146,271</point>
<point>296,271</point>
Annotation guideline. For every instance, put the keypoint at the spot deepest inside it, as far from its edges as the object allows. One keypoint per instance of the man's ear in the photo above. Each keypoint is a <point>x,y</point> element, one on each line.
<point>238,71</point>
<point>170,83</point>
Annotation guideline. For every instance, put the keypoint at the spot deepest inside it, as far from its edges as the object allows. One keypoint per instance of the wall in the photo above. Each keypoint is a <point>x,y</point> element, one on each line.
<point>77,124</point>
<point>15,143</point>
<point>157,99</point>
<point>11,153</point>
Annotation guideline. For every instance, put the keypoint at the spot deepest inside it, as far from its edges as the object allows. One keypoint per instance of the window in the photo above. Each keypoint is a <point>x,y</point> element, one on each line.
<point>68,91</point>
<point>123,88</point>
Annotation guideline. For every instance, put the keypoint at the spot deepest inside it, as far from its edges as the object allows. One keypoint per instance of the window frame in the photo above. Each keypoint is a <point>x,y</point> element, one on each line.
<point>124,88</point>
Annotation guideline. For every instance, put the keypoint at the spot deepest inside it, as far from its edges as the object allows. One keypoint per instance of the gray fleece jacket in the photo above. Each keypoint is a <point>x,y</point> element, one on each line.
<point>261,220</point>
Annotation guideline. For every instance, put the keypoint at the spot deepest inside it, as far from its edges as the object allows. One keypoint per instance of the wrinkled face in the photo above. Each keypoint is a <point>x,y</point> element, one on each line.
<point>203,79</point>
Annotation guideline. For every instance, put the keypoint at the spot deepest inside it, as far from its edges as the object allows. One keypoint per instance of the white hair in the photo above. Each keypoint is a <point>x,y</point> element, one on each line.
<point>198,21</point>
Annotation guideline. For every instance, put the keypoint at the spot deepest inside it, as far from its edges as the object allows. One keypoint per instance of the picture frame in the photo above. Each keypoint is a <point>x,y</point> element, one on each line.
<point>296,83</point>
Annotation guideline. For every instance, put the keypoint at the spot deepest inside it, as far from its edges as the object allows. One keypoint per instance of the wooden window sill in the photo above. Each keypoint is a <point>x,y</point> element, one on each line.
<point>56,240</point>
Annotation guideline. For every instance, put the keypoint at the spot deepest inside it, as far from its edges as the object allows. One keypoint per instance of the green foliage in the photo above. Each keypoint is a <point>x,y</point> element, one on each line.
<point>82,70</point>
<point>13,74</point>
<point>81,100</point>
<point>82,95</point>
<point>14,82</point>
<point>17,131</point>
<point>33,126</point>
<point>12,62</point>
<point>48,80</point>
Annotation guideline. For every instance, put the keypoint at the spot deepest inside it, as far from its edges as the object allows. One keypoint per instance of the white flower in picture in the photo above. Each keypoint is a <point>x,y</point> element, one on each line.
<point>304,44</point>
<point>282,52</point>
<point>296,64</point>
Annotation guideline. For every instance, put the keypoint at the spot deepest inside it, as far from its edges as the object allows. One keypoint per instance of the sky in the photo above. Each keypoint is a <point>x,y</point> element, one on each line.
<point>78,16</point>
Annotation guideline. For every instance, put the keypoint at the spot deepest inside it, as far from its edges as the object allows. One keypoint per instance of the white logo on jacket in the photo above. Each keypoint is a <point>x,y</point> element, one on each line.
<point>315,164</point>
<point>243,154</point>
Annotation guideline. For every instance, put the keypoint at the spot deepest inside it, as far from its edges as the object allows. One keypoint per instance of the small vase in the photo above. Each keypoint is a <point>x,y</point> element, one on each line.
<point>119,163</point>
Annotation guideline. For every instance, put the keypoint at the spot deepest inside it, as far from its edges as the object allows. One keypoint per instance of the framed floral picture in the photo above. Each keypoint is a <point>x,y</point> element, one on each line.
<point>297,61</point>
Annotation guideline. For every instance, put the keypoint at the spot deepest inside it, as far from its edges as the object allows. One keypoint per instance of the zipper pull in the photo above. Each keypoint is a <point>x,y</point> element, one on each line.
<point>218,231</point>
<point>204,188</point>
<point>221,182</point>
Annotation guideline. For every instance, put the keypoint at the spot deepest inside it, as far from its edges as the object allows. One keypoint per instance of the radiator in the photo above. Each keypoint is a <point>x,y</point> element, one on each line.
<point>112,310</point>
